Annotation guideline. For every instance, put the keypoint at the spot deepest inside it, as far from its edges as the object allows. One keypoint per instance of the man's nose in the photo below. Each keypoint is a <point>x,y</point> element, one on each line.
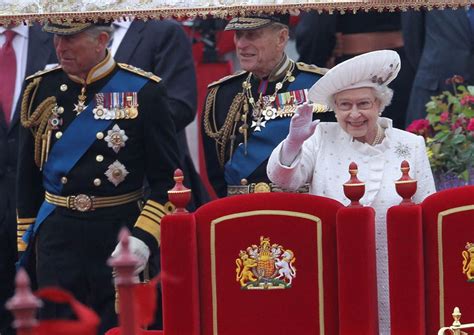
<point>59,43</point>
<point>240,42</point>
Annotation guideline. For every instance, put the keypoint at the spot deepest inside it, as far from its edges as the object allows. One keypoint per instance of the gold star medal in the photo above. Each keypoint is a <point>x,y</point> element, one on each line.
<point>81,106</point>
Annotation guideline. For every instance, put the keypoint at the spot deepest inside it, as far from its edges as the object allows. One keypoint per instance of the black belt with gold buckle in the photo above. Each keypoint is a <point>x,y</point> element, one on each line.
<point>261,187</point>
<point>86,203</point>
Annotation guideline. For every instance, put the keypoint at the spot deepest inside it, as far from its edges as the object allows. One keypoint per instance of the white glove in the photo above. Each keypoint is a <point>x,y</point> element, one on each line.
<point>137,248</point>
<point>301,128</point>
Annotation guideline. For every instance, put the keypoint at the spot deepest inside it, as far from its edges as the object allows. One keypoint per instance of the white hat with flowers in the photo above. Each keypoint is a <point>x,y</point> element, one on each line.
<point>371,69</point>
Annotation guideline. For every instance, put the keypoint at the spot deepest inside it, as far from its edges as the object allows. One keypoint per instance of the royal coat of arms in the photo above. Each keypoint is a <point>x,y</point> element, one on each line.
<point>265,266</point>
<point>468,261</point>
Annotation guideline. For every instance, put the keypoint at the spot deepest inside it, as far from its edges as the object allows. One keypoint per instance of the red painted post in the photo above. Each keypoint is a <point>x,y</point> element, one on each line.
<point>406,186</point>
<point>23,305</point>
<point>124,265</point>
<point>179,195</point>
<point>354,189</point>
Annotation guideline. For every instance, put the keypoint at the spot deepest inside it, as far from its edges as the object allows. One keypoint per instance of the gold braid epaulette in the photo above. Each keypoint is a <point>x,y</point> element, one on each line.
<point>37,121</point>
<point>222,135</point>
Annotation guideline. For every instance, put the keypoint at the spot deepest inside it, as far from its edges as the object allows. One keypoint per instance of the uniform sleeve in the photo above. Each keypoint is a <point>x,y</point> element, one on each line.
<point>423,173</point>
<point>173,62</point>
<point>161,160</point>
<point>30,191</point>
<point>300,171</point>
<point>214,170</point>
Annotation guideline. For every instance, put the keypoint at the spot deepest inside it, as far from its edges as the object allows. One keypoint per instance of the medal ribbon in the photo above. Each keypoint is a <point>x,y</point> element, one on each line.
<point>80,135</point>
<point>261,144</point>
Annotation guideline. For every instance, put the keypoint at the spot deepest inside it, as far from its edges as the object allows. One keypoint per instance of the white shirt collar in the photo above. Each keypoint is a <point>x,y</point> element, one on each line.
<point>21,30</point>
<point>122,24</point>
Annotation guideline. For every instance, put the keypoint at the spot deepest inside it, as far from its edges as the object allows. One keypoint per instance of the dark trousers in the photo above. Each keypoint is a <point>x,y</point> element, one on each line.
<point>72,250</point>
<point>7,250</point>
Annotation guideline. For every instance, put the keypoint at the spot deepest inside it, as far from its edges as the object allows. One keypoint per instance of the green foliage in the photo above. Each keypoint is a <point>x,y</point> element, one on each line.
<point>449,129</point>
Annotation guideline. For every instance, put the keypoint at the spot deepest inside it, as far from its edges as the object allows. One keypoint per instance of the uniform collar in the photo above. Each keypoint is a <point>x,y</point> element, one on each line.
<point>279,71</point>
<point>98,72</point>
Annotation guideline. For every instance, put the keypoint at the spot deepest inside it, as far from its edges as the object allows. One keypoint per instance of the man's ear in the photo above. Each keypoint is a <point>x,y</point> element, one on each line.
<point>283,37</point>
<point>103,39</point>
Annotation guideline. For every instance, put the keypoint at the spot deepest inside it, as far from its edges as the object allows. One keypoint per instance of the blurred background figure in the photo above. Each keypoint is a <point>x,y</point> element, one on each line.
<point>24,51</point>
<point>439,44</point>
<point>328,39</point>
<point>162,47</point>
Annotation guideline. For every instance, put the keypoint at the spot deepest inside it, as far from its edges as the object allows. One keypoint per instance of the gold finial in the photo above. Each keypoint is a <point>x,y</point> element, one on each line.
<point>456,316</point>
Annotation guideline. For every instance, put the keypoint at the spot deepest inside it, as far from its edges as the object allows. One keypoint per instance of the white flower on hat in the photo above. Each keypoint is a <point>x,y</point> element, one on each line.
<point>371,69</point>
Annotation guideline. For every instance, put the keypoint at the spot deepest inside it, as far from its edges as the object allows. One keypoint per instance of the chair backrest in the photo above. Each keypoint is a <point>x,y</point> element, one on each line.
<point>448,225</point>
<point>267,264</point>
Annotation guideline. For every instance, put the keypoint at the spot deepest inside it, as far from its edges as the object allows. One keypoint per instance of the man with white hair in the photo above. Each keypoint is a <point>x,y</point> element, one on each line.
<point>93,129</point>
<point>247,114</point>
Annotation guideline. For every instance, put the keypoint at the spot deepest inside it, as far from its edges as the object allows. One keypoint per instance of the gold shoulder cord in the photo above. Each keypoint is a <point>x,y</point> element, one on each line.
<point>227,131</point>
<point>37,121</point>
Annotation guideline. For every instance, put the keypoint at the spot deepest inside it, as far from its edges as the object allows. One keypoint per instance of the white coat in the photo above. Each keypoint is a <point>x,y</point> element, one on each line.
<point>324,162</point>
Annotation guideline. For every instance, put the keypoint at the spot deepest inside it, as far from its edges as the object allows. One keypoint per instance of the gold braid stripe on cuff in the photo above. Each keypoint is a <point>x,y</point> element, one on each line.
<point>84,203</point>
<point>150,218</point>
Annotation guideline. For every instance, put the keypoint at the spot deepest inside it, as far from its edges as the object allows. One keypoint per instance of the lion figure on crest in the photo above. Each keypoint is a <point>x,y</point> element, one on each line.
<point>244,268</point>
<point>468,261</point>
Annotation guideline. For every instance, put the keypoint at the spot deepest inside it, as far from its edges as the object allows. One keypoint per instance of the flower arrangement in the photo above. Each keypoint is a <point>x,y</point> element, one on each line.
<point>449,130</point>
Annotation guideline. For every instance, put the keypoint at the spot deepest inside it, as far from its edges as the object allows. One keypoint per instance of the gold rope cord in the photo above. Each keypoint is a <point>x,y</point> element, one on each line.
<point>222,135</point>
<point>14,12</point>
<point>37,121</point>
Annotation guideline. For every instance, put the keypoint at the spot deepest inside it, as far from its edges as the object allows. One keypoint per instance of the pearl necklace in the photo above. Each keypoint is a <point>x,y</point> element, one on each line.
<point>379,136</point>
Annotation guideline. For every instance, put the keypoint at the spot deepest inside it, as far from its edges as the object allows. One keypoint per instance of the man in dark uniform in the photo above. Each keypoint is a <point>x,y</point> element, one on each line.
<point>246,115</point>
<point>92,131</point>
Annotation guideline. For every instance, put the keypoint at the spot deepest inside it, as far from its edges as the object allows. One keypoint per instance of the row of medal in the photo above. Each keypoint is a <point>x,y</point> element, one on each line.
<point>282,105</point>
<point>115,106</point>
<point>115,138</point>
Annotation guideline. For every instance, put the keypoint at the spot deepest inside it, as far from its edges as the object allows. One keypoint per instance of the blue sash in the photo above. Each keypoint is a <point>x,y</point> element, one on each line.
<point>80,135</point>
<point>261,143</point>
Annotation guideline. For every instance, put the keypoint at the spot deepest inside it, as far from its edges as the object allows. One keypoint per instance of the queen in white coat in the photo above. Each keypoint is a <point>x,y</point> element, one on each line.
<point>320,154</point>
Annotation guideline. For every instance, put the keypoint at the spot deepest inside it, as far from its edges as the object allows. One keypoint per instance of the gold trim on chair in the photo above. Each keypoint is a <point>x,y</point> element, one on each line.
<point>319,240</point>
<point>441,215</point>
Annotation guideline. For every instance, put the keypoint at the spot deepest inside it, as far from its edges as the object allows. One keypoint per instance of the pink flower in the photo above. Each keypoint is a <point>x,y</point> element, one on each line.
<point>458,124</point>
<point>419,126</point>
<point>444,117</point>
<point>470,126</point>
<point>469,99</point>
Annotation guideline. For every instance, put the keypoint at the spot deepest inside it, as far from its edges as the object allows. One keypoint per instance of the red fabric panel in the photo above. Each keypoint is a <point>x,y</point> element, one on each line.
<point>86,323</point>
<point>179,276</point>
<point>357,271</point>
<point>405,260</point>
<point>456,230</point>
<point>145,299</point>
<point>293,310</point>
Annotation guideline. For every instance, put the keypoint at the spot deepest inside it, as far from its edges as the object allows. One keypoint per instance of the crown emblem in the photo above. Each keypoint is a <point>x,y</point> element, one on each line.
<point>265,266</point>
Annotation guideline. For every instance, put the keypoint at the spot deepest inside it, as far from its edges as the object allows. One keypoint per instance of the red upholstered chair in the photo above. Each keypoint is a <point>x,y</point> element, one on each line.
<point>448,225</point>
<point>214,284</point>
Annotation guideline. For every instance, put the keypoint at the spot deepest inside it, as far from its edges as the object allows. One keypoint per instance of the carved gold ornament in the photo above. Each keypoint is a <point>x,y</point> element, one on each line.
<point>265,266</point>
<point>18,11</point>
